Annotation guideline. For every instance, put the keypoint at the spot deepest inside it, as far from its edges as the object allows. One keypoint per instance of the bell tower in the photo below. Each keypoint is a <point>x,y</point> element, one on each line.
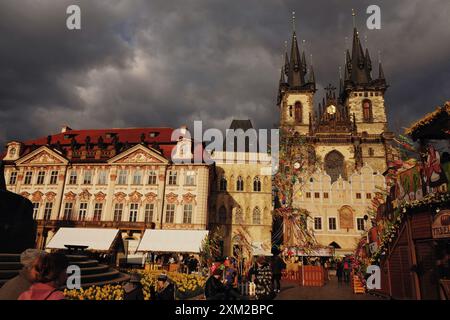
<point>296,89</point>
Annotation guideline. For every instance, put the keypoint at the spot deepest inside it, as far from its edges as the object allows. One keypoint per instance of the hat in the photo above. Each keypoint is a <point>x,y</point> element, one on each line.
<point>162,277</point>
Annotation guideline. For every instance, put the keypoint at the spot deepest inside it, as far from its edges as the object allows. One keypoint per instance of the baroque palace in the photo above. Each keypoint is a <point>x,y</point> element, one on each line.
<point>113,178</point>
<point>346,139</point>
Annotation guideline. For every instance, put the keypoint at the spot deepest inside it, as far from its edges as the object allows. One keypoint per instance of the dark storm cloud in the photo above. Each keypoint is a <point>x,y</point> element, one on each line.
<point>167,63</point>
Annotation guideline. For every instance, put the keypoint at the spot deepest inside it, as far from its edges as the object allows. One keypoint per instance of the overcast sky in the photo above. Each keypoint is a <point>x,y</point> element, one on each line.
<point>169,62</point>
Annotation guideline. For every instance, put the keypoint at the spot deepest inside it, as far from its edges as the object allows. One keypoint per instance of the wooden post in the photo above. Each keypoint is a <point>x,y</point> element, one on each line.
<point>412,251</point>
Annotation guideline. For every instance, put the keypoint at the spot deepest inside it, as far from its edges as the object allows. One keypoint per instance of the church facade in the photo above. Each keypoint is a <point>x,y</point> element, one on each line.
<point>346,139</point>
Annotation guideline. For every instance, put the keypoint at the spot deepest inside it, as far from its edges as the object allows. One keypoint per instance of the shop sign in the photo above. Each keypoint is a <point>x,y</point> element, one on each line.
<point>441,225</point>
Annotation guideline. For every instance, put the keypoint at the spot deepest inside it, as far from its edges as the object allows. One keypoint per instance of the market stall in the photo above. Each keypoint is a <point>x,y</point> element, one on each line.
<point>410,237</point>
<point>171,241</point>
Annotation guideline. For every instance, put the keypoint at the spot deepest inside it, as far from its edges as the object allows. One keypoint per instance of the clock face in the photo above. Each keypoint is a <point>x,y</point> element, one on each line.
<point>331,109</point>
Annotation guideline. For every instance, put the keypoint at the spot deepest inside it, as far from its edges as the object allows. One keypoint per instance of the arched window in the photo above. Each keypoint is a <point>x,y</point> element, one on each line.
<point>290,111</point>
<point>334,165</point>
<point>367,110</point>
<point>256,216</point>
<point>256,184</point>
<point>239,218</point>
<point>223,184</point>
<point>222,215</point>
<point>240,184</point>
<point>298,112</point>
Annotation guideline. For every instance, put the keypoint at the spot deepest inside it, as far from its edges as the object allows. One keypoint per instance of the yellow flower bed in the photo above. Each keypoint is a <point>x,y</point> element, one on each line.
<point>187,286</point>
<point>106,292</point>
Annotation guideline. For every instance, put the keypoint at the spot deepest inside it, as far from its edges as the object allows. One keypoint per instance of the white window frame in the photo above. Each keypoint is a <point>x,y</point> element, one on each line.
<point>53,177</point>
<point>82,211</point>
<point>122,177</point>
<point>134,212</point>
<point>190,212</point>
<point>36,207</point>
<point>335,223</point>
<point>27,180</point>
<point>118,212</point>
<point>87,177</point>
<point>13,178</point>
<point>172,211</point>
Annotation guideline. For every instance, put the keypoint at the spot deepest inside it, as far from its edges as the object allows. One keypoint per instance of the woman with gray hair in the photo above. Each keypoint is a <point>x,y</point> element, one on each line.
<point>14,287</point>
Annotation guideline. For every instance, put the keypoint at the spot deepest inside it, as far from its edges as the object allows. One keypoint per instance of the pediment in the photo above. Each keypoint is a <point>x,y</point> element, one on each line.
<point>42,156</point>
<point>138,154</point>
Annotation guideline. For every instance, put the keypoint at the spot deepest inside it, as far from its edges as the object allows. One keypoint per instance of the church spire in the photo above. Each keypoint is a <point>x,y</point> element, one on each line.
<point>286,59</point>
<point>296,77</point>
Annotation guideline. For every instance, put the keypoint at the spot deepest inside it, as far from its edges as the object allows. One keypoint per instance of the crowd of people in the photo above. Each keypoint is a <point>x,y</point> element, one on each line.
<point>185,263</point>
<point>223,283</point>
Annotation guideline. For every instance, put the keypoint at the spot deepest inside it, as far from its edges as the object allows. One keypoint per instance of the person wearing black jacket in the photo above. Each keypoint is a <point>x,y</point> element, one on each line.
<point>133,289</point>
<point>214,288</point>
<point>277,266</point>
<point>166,289</point>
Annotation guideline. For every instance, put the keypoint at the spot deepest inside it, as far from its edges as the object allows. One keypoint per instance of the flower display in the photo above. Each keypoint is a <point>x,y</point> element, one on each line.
<point>187,286</point>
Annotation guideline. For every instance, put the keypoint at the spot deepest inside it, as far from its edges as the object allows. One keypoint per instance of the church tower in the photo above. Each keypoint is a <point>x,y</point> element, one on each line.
<point>296,89</point>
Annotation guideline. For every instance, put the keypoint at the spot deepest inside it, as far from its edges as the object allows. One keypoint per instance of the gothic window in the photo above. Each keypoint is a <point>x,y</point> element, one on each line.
<point>367,110</point>
<point>239,216</point>
<point>298,112</point>
<point>223,184</point>
<point>371,153</point>
<point>256,184</point>
<point>240,184</point>
<point>334,165</point>
<point>256,216</point>
<point>222,215</point>
<point>290,111</point>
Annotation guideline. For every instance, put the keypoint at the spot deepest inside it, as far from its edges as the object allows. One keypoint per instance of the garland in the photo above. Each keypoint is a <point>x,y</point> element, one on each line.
<point>392,228</point>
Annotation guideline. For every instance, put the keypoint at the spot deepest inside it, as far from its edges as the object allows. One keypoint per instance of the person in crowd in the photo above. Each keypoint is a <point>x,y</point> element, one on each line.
<point>252,271</point>
<point>192,265</point>
<point>12,289</point>
<point>214,287</point>
<point>50,275</point>
<point>263,280</point>
<point>230,283</point>
<point>165,289</point>
<point>346,269</point>
<point>326,266</point>
<point>133,289</point>
<point>277,266</point>
<point>339,270</point>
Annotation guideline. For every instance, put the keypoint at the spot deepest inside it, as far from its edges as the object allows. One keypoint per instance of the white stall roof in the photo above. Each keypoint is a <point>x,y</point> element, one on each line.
<point>98,239</point>
<point>259,250</point>
<point>189,241</point>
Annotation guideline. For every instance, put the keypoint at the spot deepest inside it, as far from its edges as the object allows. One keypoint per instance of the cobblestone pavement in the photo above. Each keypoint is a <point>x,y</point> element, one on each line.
<point>331,291</point>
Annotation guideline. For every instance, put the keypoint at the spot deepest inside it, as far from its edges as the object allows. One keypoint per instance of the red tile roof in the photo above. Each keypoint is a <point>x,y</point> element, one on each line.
<point>160,137</point>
